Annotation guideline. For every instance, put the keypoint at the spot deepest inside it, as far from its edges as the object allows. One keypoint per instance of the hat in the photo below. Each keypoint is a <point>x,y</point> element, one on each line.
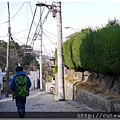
<point>19,68</point>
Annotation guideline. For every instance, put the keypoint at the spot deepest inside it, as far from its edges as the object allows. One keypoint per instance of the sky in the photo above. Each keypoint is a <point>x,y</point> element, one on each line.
<point>77,15</point>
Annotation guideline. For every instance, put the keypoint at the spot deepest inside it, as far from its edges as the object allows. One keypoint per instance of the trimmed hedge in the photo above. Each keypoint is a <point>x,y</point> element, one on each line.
<point>76,48</point>
<point>94,50</point>
<point>100,50</point>
<point>67,51</point>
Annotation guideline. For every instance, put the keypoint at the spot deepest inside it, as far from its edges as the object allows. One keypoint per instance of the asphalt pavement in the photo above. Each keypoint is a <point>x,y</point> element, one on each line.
<point>43,105</point>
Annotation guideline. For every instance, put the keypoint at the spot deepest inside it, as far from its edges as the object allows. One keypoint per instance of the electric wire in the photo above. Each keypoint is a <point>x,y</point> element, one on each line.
<point>36,33</point>
<point>15,14</point>
<point>44,45</point>
<point>49,39</point>
<point>17,39</point>
<point>18,10</point>
<point>46,17</point>
<point>15,33</point>
<point>46,50</point>
<point>20,32</point>
<point>12,18</point>
<point>3,23</point>
<point>3,36</point>
<point>50,32</point>
<point>31,11</point>
<point>52,37</point>
<point>31,24</point>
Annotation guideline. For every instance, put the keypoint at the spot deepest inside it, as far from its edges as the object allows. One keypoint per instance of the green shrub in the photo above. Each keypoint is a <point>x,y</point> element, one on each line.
<point>67,51</point>
<point>76,48</point>
<point>95,50</point>
<point>55,70</point>
<point>100,50</point>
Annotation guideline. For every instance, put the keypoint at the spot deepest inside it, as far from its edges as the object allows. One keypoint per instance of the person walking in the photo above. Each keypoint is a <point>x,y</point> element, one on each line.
<point>19,86</point>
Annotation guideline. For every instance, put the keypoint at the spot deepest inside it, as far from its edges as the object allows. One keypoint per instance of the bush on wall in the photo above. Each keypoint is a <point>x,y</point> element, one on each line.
<point>95,50</point>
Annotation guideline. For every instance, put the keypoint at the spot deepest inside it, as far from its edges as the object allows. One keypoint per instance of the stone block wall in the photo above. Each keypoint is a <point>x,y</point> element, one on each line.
<point>85,97</point>
<point>68,90</point>
<point>96,101</point>
<point>92,100</point>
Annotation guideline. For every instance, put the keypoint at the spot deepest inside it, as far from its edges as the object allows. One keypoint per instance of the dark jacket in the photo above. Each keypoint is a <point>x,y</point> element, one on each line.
<point>12,83</point>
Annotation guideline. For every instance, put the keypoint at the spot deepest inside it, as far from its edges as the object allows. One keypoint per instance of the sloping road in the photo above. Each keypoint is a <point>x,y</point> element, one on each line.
<point>42,105</point>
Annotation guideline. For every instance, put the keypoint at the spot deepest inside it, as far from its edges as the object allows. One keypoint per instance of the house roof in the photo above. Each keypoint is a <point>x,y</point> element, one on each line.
<point>72,35</point>
<point>52,58</point>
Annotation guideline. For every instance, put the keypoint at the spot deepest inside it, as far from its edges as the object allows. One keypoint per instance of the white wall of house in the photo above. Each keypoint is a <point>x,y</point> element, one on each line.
<point>1,84</point>
<point>48,85</point>
<point>34,76</point>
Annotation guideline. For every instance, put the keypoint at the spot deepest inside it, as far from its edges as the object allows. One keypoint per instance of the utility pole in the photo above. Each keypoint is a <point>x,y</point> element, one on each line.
<point>61,92</point>
<point>41,80</point>
<point>8,53</point>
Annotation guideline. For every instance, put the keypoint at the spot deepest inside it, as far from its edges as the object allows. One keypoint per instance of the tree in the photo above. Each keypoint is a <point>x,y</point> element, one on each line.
<point>16,56</point>
<point>112,23</point>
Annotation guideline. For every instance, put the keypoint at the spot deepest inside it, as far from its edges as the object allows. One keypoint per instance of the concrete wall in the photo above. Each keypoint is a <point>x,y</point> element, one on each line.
<point>92,100</point>
<point>1,85</point>
<point>34,76</point>
<point>82,96</point>
<point>48,85</point>
<point>95,101</point>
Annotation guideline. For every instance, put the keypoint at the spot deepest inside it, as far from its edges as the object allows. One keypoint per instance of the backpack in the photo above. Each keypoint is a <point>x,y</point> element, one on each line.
<point>21,86</point>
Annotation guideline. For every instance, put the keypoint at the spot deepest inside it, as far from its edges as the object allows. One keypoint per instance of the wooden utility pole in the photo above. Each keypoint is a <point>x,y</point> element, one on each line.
<point>8,53</point>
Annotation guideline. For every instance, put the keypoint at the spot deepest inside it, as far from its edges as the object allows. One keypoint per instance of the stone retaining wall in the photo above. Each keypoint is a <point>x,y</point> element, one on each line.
<point>96,101</point>
<point>107,83</point>
<point>92,100</point>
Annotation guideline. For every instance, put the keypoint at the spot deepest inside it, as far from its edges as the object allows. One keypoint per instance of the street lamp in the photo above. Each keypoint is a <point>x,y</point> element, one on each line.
<point>52,7</point>
<point>61,94</point>
<point>71,28</point>
<point>40,4</point>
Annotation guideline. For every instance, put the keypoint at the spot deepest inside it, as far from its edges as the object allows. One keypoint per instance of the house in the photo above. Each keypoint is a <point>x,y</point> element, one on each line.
<point>52,62</point>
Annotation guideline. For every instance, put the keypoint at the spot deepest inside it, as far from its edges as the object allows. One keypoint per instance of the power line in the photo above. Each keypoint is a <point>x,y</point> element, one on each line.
<point>14,33</point>
<point>48,38</point>
<point>46,16</point>
<point>3,36</point>
<point>52,37</point>
<point>46,50</point>
<point>50,32</point>
<point>20,31</point>
<point>31,10</point>
<point>18,10</point>
<point>14,15</point>
<point>31,25</point>
<point>38,25</point>
<point>35,34</point>
<point>3,23</point>
<point>17,39</point>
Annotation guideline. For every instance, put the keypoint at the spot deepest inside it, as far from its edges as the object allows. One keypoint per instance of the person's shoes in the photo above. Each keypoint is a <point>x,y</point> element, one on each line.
<point>21,115</point>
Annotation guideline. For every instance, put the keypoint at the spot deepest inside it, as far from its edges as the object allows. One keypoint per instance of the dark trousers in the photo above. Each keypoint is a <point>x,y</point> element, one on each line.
<point>20,104</point>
